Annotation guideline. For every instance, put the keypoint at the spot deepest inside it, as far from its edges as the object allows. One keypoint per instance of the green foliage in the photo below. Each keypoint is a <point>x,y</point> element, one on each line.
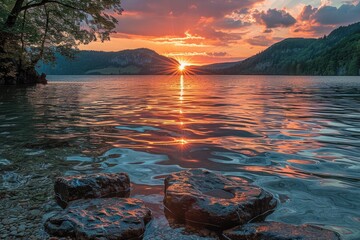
<point>341,59</point>
<point>37,29</point>
<point>336,54</point>
<point>353,68</point>
<point>4,10</point>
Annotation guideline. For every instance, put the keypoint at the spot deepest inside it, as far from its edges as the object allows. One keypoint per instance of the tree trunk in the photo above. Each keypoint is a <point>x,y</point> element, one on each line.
<point>14,14</point>
<point>11,70</point>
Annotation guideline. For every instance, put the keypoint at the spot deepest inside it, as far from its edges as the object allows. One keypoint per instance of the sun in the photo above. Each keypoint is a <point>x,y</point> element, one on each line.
<point>183,65</point>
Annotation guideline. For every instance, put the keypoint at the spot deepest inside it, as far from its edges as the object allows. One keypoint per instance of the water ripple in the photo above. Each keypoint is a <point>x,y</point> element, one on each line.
<point>298,137</point>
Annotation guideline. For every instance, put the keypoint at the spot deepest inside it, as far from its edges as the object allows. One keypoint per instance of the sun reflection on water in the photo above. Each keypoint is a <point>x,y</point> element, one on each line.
<point>181,89</point>
<point>266,128</point>
<point>182,141</point>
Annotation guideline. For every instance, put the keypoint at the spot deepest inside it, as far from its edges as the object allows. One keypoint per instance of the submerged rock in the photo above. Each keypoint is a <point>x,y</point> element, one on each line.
<point>279,231</point>
<point>161,229</point>
<point>102,218</point>
<point>217,202</point>
<point>91,186</point>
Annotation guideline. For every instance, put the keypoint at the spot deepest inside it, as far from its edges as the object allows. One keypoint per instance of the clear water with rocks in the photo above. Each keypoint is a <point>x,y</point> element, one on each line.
<point>297,137</point>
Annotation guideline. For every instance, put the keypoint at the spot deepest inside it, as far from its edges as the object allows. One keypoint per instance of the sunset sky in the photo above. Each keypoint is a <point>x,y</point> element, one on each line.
<point>208,31</point>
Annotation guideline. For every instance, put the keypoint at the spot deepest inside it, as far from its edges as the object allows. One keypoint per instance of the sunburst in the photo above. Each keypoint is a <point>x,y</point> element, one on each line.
<point>183,65</point>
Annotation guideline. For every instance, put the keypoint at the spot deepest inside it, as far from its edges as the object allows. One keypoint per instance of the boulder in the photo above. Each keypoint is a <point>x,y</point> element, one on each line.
<point>210,200</point>
<point>91,186</point>
<point>102,218</point>
<point>279,231</point>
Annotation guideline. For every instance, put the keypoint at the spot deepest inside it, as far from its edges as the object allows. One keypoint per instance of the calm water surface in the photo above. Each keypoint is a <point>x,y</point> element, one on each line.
<point>297,137</point>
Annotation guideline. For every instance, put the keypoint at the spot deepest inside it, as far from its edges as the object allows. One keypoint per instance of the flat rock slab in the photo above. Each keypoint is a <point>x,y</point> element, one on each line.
<point>279,231</point>
<point>214,201</point>
<point>102,218</point>
<point>100,185</point>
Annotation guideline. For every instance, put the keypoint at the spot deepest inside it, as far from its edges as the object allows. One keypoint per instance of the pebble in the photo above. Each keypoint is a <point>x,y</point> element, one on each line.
<point>8,221</point>
<point>35,212</point>
<point>21,213</point>
<point>21,228</point>
<point>30,225</point>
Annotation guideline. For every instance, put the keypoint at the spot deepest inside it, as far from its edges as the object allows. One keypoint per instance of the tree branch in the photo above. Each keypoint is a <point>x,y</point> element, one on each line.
<point>11,19</point>
<point>43,2</point>
<point>41,53</point>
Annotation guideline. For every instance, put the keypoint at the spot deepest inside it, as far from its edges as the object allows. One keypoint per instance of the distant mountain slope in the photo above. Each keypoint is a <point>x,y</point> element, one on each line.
<point>138,61</point>
<point>336,54</point>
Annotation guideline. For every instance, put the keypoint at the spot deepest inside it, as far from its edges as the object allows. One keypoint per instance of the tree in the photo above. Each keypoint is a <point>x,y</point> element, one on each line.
<point>34,30</point>
<point>354,67</point>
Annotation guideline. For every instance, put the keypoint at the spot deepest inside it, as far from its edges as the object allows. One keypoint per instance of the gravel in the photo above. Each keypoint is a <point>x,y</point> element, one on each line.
<point>22,209</point>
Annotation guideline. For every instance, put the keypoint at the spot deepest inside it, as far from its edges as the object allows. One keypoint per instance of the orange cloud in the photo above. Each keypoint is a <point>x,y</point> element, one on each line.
<point>218,30</point>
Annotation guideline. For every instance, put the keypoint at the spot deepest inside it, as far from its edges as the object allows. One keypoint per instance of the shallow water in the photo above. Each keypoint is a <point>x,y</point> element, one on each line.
<point>297,137</point>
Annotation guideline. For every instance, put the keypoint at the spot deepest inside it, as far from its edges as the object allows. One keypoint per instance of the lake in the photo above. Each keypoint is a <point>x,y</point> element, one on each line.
<point>297,137</point>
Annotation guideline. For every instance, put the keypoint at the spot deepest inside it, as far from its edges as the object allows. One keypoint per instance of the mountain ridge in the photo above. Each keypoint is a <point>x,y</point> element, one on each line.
<point>335,54</point>
<point>141,61</point>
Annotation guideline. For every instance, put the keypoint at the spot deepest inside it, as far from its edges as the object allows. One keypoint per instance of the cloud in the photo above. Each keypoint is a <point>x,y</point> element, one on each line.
<point>216,37</point>
<point>170,21</point>
<point>274,18</point>
<point>187,40</point>
<point>176,8</point>
<point>307,12</point>
<point>153,26</point>
<point>203,29</point>
<point>313,29</point>
<point>262,41</point>
<point>191,54</point>
<point>328,15</point>
<point>325,18</point>
<point>231,23</point>
<point>268,30</point>
<point>202,37</point>
<point>217,54</point>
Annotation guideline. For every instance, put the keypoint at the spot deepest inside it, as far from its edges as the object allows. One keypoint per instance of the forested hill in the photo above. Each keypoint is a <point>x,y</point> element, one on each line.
<point>127,62</point>
<point>335,54</point>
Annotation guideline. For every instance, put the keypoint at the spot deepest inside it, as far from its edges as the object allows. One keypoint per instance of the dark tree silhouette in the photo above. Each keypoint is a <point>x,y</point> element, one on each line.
<point>34,30</point>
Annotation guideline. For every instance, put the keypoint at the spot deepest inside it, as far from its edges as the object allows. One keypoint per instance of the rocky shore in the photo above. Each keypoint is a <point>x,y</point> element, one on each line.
<point>22,209</point>
<point>226,207</point>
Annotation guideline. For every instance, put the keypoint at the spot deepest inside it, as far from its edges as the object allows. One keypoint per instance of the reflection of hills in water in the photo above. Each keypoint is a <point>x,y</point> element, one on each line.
<point>296,137</point>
